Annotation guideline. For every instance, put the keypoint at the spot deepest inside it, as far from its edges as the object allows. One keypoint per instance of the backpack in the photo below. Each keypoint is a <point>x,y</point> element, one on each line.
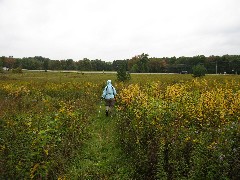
<point>109,91</point>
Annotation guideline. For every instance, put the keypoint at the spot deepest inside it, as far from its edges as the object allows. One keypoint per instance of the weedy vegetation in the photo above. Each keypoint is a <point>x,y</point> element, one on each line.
<point>52,126</point>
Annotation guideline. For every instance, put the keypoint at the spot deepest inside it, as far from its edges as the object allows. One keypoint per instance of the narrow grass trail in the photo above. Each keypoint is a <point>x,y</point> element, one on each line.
<point>101,158</point>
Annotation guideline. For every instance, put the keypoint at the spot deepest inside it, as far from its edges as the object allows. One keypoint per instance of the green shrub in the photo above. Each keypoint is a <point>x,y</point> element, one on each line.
<point>181,132</point>
<point>199,70</point>
<point>122,74</point>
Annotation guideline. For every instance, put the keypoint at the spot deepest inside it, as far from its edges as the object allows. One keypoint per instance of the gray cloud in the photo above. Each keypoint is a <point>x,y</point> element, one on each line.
<point>110,30</point>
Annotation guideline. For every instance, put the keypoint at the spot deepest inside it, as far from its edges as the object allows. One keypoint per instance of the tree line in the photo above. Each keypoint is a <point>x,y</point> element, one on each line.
<point>229,64</point>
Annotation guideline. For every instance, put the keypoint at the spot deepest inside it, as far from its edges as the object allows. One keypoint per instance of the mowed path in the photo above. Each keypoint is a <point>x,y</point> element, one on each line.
<point>101,158</point>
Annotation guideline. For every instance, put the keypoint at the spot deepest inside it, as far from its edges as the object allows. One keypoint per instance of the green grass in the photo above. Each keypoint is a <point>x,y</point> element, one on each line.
<point>101,157</point>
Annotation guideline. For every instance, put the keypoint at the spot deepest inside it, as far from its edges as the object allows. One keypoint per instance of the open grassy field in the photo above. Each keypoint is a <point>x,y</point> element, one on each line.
<point>53,126</point>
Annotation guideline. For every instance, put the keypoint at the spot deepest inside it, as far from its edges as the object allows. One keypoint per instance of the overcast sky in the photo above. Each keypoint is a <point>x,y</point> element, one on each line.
<point>118,29</point>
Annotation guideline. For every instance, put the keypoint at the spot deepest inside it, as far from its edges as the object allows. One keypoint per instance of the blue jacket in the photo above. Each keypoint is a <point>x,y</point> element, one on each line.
<point>109,91</point>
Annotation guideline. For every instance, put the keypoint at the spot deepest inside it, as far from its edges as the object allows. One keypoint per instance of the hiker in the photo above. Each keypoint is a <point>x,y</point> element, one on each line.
<point>109,94</point>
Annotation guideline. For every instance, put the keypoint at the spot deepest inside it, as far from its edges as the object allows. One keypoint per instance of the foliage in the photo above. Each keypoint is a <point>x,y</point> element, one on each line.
<point>139,63</point>
<point>229,64</point>
<point>42,125</point>
<point>143,63</point>
<point>122,74</point>
<point>167,126</point>
<point>199,71</point>
<point>185,130</point>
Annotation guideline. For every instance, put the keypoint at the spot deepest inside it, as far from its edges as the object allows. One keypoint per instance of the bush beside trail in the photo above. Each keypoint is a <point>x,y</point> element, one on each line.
<point>185,130</point>
<point>42,126</point>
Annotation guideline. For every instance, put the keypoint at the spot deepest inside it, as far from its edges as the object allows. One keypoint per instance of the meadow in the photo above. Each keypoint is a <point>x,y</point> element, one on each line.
<point>53,126</point>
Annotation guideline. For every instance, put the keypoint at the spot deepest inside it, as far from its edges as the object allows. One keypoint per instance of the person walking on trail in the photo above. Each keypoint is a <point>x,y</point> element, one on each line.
<point>109,94</point>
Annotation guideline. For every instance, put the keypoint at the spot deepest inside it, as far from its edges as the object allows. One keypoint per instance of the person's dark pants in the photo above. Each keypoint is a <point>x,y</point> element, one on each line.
<point>109,103</point>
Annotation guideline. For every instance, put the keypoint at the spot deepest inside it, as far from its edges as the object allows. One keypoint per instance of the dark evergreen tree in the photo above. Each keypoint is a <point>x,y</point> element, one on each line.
<point>122,74</point>
<point>199,70</point>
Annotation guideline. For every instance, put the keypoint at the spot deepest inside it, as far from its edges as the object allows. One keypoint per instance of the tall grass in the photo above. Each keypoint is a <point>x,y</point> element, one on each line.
<point>43,121</point>
<point>169,126</point>
<point>182,130</point>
